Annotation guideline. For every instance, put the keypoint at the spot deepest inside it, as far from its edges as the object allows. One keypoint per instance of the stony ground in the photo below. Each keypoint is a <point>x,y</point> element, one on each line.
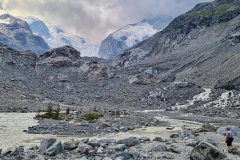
<point>177,135</point>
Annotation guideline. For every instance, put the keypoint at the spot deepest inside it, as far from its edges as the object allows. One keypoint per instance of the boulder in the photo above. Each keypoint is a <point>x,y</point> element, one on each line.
<point>160,148</point>
<point>207,151</point>
<point>92,152</point>
<point>55,149</point>
<point>107,141</point>
<point>46,143</point>
<point>98,158</point>
<point>124,155</point>
<point>137,79</point>
<point>105,125</point>
<point>158,139</point>
<point>191,142</point>
<point>120,147</point>
<point>134,152</point>
<point>84,148</point>
<point>131,141</point>
<point>209,141</point>
<point>69,145</point>
<point>143,139</point>
<point>93,143</point>
<point>19,149</point>
<point>120,158</point>
<point>100,150</point>
<point>208,128</point>
<point>174,135</point>
<point>170,128</point>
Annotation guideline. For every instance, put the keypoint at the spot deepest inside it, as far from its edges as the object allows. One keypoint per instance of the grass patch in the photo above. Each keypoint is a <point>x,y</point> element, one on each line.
<point>223,8</point>
<point>205,14</point>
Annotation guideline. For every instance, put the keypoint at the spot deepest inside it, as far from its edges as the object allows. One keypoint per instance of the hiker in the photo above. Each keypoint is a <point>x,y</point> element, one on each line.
<point>229,139</point>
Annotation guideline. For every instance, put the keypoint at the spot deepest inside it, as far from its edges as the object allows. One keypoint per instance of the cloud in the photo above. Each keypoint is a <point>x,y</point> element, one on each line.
<point>94,20</point>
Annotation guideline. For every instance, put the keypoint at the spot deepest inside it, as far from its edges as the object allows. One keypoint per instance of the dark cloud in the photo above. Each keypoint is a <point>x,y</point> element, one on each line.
<point>95,19</point>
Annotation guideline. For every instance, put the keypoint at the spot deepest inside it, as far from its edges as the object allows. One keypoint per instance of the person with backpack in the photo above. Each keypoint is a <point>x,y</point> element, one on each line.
<point>229,139</point>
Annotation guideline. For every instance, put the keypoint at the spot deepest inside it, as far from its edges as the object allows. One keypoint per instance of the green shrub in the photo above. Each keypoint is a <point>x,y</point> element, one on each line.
<point>117,113</point>
<point>91,116</point>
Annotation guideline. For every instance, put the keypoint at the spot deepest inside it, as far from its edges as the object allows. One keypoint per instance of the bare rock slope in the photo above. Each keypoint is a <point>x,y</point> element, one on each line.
<point>200,46</point>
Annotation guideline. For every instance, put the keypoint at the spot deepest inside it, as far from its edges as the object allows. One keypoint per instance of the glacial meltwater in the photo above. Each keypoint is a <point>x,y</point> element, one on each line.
<point>11,130</point>
<point>13,124</point>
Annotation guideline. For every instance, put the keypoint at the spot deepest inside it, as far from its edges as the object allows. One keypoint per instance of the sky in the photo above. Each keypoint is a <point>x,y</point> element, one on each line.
<point>94,20</point>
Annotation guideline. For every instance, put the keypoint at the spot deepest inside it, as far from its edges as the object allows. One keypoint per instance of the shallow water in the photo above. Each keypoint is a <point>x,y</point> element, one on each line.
<point>13,124</point>
<point>11,130</point>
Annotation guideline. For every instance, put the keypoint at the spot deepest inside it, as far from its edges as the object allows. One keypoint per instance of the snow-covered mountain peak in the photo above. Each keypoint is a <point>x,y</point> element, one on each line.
<point>55,36</point>
<point>17,34</point>
<point>133,34</point>
<point>130,35</point>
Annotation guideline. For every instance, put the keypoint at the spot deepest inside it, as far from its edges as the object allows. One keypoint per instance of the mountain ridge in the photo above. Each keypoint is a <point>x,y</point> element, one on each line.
<point>184,53</point>
<point>17,34</point>
<point>57,37</point>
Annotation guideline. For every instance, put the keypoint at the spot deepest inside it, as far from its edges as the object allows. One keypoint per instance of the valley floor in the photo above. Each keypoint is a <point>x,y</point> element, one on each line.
<point>165,124</point>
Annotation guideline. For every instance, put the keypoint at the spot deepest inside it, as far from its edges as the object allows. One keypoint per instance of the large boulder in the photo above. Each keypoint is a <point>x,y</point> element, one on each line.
<point>206,128</point>
<point>207,151</point>
<point>55,149</point>
<point>209,141</point>
<point>46,143</point>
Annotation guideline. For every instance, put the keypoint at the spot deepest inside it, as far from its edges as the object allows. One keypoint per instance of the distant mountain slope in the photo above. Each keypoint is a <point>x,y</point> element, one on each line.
<point>130,35</point>
<point>57,37</point>
<point>17,34</point>
<point>201,46</point>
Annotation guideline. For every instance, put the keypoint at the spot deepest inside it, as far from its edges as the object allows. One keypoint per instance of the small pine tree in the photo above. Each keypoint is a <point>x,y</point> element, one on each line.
<point>57,113</point>
<point>117,113</point>
<point>49,113</point>
<point>67,111</point>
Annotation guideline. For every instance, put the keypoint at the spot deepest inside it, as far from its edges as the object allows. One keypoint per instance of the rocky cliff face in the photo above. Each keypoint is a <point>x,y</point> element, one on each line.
<point>200,46</point>
<point>17,34</point>
<point>130,35</point>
